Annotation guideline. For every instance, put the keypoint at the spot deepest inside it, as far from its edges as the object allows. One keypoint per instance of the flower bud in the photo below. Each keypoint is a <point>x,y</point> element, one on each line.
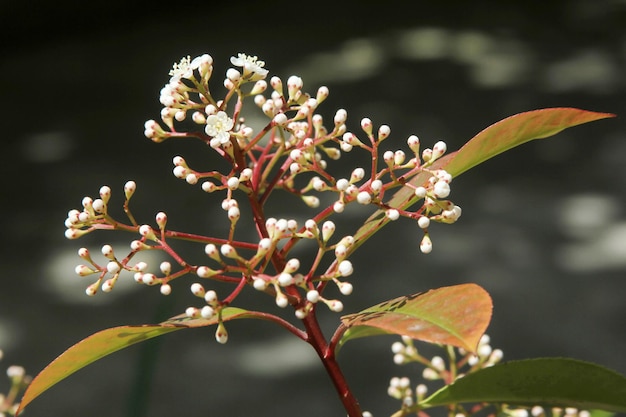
<point>166,289</point>
<point>426,245</point>
<point>221,335</point>
<point>383,132</point>
<point>129,189</point>
<point>366,125</point>
<point>345,268</point>
<point>328,228</point>
<point>161,219</point>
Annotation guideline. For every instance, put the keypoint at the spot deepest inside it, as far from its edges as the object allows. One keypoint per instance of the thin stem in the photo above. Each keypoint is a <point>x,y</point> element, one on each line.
<point>327,355</point>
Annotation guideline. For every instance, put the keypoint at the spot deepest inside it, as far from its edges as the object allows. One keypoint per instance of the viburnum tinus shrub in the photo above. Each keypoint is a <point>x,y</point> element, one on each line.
<point>298,153</point>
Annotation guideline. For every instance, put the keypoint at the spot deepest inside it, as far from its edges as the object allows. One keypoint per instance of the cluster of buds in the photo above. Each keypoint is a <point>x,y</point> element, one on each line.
<point>456,364</point>
<point>290,153</point>
<point>19,380</point>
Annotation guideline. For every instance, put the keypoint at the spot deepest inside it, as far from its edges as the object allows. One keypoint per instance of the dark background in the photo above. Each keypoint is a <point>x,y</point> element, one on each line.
<point>543,227</point>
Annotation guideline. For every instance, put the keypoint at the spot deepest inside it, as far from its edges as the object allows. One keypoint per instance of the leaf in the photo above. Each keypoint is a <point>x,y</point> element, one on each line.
<point>552,382</point>
<point>516,130</point>
<point>111,340</point>
<point>456,315</point>
<point>495,139</point>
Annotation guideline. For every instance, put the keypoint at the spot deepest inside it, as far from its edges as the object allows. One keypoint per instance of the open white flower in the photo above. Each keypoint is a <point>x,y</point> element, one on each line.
<point>252,67</point>
<point>186,66</point>
<point>219,126</point>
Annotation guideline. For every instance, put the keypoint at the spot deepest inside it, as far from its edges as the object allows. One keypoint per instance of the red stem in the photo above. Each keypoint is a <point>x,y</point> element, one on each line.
<point>315,338</point>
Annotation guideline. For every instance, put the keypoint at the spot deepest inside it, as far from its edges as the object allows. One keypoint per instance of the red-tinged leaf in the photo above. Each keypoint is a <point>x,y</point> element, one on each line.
<point>456,315</point>
<point>111,340</point>
<point>495,139</point>
<point>516,130</point>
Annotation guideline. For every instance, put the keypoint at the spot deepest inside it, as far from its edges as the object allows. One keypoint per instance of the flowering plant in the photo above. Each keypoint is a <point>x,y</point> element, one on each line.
<point>293,150</point>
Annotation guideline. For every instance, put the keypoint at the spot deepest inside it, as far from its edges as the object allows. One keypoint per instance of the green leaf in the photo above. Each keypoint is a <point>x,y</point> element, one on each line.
<point>456,315</point>
<point>516,130</point>
<point>495,139</point>
<point>552,382</point>
<point>111,340</point>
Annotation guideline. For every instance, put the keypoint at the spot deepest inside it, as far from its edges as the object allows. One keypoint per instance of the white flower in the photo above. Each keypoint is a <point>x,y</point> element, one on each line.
<point>184,69</point>
<point>252,66</point>
<point>218,126</point>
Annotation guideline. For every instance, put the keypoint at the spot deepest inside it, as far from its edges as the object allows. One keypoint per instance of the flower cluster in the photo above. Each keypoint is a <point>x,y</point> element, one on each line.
<point>19,381</point>
<point>290,153</point>
<point>455,364</point>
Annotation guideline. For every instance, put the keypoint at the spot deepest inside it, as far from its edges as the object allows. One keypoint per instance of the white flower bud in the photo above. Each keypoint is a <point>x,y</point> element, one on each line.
<point>211,297</point>
<point>221,335</point>
<point>420,192</point>
<point>211,250</point>
<point>234,214</point>
<point>364,198</point>
<point>281,300</point>
<point>341,251</point>
<point>149,279</point>
<point>328,228</point>
<point>340,116</point>
<point>245,175</point>
<point>83,270</point>
<point>113,267</point>
<point>161,219</point>
<point>438,149</point>
<point>191,178</point>
<point>345,288</point>
<point>335,305</point>
<point>292,266</point>
<point>342,184</point>
<point>208,186</point>
<point>129,189</point>
<point>207,312</point>
<point>383,132</point>
<point>233,183</point>
<point>376,186</point>
<point>205,272</point>
<point>285,279</point>
<point>107,251</point>
<point>398,157</point>
<point>92,289</point>
<point>366,125</point>
<point>166,289</point>
<point>414,143</point>
<point>357,175</point>
<point>147,232</point>
<point>339,206</point>
<point>98,205</point>
<point>392,214</point>
<point>311,201</point>
<point>259,284</point>
<point>280,119</point>
<point>426,245</point>
<point>165,267</point>
<point>233,75</point>
<point>228,251</point>
<point>180,172</point>
<point>397,347</point>
<point>438,363</point>
<point>441,189</point>
<point>345,268</point>
<point>423,222</point>
<point>313,296</point>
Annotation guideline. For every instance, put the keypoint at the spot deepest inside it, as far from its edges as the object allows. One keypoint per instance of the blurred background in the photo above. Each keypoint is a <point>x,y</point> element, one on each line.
<point>543,227</point>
